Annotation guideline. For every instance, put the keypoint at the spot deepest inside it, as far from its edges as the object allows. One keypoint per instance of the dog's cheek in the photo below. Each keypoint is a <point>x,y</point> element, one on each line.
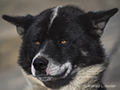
<point>26,55</point>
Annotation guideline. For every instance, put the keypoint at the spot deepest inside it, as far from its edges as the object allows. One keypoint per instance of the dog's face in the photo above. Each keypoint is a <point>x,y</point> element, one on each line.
<point>59,40</point>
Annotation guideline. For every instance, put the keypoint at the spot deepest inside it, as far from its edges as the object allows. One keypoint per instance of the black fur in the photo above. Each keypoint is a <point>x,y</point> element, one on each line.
<point>73,25</point>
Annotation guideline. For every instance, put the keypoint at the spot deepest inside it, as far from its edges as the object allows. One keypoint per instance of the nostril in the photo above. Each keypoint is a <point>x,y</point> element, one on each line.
<point>40,63</point>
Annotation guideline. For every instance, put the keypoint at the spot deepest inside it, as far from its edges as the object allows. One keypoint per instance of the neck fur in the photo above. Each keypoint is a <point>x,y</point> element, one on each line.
<point>88,78</point>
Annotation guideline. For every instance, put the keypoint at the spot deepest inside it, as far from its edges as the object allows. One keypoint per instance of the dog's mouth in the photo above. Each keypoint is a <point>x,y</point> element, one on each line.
<point>54,72</point>
<point>44,77</point>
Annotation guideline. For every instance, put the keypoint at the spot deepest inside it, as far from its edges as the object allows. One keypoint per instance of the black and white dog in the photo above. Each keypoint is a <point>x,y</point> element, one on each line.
<point>61,48</point>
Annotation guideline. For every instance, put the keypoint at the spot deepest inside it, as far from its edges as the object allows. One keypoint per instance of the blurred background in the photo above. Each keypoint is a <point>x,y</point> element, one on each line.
<point>11,77</point>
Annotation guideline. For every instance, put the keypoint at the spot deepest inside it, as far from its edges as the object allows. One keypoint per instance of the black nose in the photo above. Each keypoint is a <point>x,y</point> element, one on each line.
<point>40,63</point>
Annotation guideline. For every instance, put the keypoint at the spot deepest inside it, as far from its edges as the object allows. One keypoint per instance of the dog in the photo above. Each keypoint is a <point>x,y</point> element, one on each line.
<point>61,48</point>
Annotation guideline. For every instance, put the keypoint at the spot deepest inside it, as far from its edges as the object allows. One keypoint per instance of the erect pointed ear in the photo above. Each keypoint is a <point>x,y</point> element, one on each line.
<point>100,19</point>
<point>22,23</point>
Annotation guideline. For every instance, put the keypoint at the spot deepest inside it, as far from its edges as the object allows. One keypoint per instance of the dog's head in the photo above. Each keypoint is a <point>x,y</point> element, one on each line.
<point>59,40</point>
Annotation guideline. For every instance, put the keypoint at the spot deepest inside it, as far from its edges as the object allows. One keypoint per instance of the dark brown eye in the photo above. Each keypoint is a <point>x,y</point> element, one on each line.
<point>63,42</point>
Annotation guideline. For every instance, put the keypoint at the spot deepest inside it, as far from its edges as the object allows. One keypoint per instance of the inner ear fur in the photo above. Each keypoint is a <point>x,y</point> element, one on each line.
<point>22,23</point>
<point>100,19</point>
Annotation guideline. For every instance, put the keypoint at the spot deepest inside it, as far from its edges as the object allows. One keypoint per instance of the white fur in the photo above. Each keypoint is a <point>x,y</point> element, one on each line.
<point>84,78</point>
<point>39,54</point>
<point>32,67</point>
<point>84,53</point>
<point>67,66</point>
<point>54,15</point>
<point>54,69</point>
<point>33,70</point>
<point>20,31</point>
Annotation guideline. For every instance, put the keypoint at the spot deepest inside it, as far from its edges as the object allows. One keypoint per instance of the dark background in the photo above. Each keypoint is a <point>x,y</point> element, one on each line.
<point>11,77</point>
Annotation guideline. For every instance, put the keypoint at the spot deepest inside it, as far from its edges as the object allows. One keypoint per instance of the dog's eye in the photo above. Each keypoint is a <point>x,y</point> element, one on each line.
<point>63,42</point>
<point>37,43</point>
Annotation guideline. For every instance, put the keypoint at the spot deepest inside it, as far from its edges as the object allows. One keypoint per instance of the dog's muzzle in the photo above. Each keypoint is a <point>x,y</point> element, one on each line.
<point>47,70</point>
<point>40,65</point>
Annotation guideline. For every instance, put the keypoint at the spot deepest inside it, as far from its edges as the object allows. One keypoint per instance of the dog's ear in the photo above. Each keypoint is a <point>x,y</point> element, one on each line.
<point>22,23</point>
<point>100,19</point>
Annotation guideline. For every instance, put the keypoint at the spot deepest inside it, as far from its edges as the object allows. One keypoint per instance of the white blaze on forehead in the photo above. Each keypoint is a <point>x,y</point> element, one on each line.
<point>54,15</point>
